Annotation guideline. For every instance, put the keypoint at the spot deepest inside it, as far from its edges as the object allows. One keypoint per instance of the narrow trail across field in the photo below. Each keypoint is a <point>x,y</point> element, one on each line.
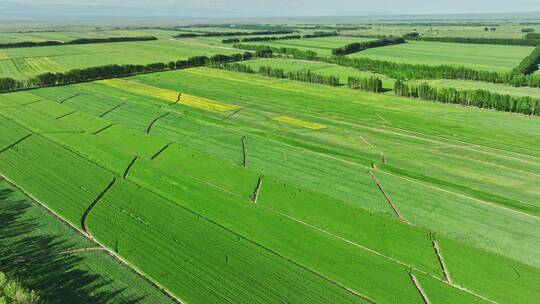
<point>69,98</point>
<point>128,169</point>
<point>440,257</point>
<point>112,109</point>
<point>102,129</point>
<point>65,115</point>
<point>158,153</point>
<point>15,143</point>
<point>92,205</point>
<point>419,288</point>
<point>388,199</point>
<point>153,122</point>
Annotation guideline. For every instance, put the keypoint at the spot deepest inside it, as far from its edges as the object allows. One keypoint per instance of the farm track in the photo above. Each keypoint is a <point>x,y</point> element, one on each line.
<point>160,151</point>
<point>153,122</point>
<point>102,129</point>
<point>128,169</point>
<point>419,288</point>
<point>67,114</point>
<point>112,109</point>
<point>15,143</point>
<point>69,98</point>
<point>255,243</point>
<point>440,257</point>
<point>388,199</point>
<point>92,205</point>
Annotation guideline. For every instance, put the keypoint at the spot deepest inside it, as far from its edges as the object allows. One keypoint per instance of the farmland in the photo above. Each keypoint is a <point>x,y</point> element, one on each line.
<point>227,180</point>
<point>484,57</point>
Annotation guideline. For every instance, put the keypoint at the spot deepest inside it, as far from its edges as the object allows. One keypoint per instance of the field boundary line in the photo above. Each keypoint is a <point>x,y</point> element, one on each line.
<point>419,287</point>
<point>440,257</point>
<point>71,97</point>
<point>155,120</point>
<point>161,151</point>
<point>122,261</point>
<point>102,129</point>
<point>491,204</point>
<point>114,108</point>
<point>32,102</point>
<point>93,204</point>
<point>388,199</point>
<point>128,169</point>
<point>67,114</point>
<point>232,114</point>
<point>16,143</point>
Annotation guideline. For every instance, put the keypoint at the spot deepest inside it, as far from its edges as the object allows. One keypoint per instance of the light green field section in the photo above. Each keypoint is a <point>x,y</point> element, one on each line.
<point>492,87</point>
<point>322,46</point>
<point>28,62</point>
<point>500,58</point>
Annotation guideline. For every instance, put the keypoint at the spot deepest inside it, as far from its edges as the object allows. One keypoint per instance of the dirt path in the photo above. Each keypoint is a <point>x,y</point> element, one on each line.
<point>92,205</point>
<point>114,108</point>
<point>388,199</point>
<point>444,268</point>
<point>419,288</point>
<point>15,143</point>
<point>153,122</point>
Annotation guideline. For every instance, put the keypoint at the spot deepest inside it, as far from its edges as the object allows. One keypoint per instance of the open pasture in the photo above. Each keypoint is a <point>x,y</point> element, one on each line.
<point>499,58</point>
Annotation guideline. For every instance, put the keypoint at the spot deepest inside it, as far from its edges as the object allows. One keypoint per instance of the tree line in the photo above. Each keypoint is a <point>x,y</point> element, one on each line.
<point>498,41</point>
<point>360,46</point>
<point>529,64</point>
<point>370,84</point>
<point>268,51</point>
<point>25,44</point>
<point>475,98</point>
<point>13,292</point>
<point>532,36</point>
<point>221,34</point>
<point>114,71</point>
<point>280,73</point>
<point>404,70</point>
<point>273,38</point>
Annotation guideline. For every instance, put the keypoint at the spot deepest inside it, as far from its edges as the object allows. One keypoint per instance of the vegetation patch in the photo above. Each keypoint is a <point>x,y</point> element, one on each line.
<point>300,123</point>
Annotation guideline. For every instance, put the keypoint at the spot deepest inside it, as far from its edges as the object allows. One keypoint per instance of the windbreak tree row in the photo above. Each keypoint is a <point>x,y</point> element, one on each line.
<point>273,38</point>
<point>370,84</point>
<point>113,71</point>
<point>475,98</point>
<point>221,34</point>
<point>267,71</point>
<point>76,41</point>
<point>529,64</point>
<point>361,46</point>
<point>499,41</point>
<point>292,52</point>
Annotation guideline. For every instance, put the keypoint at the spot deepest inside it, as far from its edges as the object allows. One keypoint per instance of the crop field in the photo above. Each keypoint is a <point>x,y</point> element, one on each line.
<point>211,182</point>
<point>322,46</point>
<point>28,62</point>
<point>175,187</point>
<point>501,58</point>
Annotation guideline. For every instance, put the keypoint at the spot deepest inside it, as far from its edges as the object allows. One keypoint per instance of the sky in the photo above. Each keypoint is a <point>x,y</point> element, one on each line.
<point>319,7</point>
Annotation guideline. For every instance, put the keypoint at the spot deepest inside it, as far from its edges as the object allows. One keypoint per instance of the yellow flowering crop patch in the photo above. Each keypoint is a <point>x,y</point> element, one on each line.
<point>300,123</point>
<point>169,95</point>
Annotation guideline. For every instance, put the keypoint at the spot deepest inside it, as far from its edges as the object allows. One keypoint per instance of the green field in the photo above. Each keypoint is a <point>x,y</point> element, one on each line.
<point>22,63</point>
<point>50,256</point>
<point>322,46</point>
<point>500,58</point>
<point>194,196</point>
